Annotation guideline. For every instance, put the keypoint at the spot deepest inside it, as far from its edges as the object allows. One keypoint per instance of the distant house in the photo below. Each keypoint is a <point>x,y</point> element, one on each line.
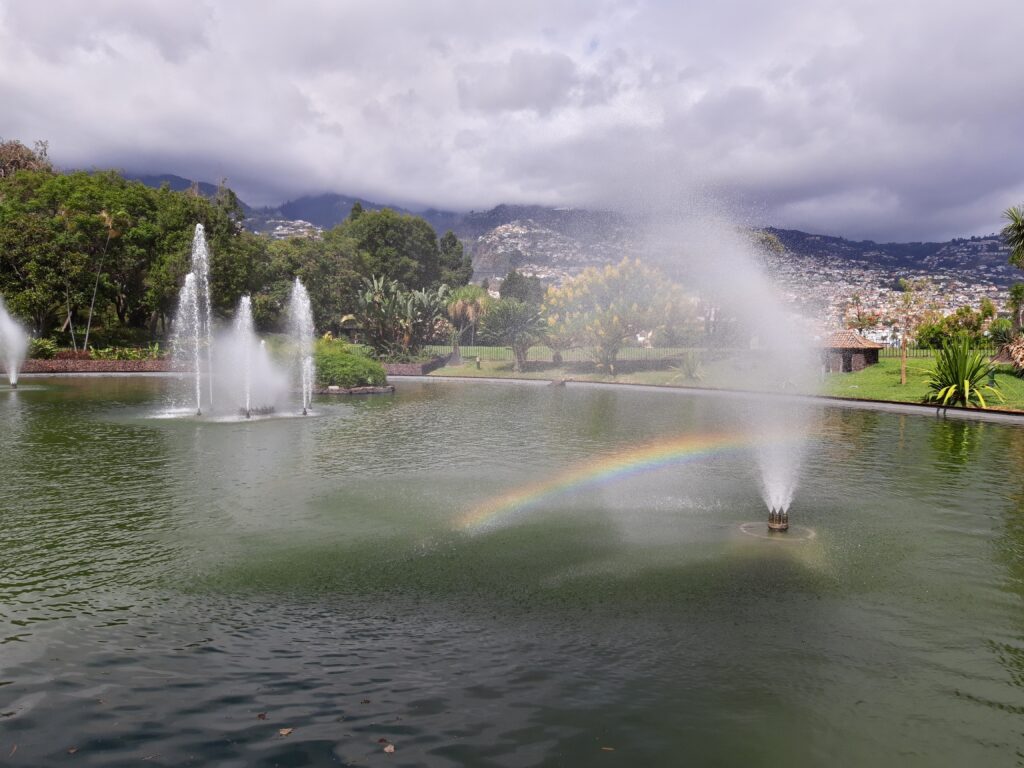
<point>846,351</point>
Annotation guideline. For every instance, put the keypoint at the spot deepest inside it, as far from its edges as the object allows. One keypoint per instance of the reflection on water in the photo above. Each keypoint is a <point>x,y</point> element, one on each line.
<point>176,592</point>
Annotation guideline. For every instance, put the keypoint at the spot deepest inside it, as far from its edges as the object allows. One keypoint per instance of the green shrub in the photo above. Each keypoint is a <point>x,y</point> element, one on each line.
<point>151,352</point>
<point>341,365</point>
<point>1001,332</point>
<point>691,365</point>
<point>42,349</point>
<point>961,377</point>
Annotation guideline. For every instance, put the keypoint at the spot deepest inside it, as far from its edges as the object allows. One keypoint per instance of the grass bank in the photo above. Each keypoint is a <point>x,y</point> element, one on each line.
<point>876,382</point>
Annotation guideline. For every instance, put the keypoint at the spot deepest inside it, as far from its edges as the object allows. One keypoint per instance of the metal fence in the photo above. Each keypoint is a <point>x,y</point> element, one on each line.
<point>915,351</point>
<point>542,354</point>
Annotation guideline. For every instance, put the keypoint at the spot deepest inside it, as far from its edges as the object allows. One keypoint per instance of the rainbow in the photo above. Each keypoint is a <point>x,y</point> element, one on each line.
<point>602,471</point>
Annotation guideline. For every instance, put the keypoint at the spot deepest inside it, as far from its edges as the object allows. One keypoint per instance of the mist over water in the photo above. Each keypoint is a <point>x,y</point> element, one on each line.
<point>773,350</point>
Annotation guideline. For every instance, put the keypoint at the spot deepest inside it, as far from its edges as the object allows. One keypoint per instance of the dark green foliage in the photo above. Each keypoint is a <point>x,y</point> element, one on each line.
<point>515,324</point>
<point>65,238</point>
<point>327,269</point>
<point>42,349</point>
<point>527,289</point>
<point>1013,234</point>
<point>96,255</point>
<point>965,322</point>
<point>961,377</point>
<point>456,265</point>
<point>396,321</point>
<point>397,247</point>
<point>1016,305</point>
<point>1001,331</point>
<point>346,365</point>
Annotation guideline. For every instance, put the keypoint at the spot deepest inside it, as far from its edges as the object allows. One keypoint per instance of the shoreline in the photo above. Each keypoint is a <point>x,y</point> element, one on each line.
<point>998,415</point>
<point>889,406</point>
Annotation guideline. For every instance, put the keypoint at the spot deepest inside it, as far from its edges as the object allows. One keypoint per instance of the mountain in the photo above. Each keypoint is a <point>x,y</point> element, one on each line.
<point>986,257</point>
<point>179,184</point>
<point>556,243</point>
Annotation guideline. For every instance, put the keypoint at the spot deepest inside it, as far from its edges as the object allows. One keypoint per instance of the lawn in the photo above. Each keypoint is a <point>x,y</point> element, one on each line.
<point>876,382</point>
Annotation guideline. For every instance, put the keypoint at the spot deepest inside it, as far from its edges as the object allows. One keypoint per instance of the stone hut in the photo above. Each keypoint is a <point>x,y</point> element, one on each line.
<point>846,351</point>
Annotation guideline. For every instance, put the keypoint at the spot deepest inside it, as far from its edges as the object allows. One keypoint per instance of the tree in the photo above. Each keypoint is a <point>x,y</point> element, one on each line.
<point>397,321</point>
<point>466,306</point>
<point>1016,306</point>
<point>934,332</point>
<point>526,288</point>
<point>1013,234</point>
<point>113,251</point>
<point>456,265</point>
<point>515,324</point>
<point>606,308</point>
<point>861,319</point>
<point>910,314</point>
<point>396,247</point>
<point>15,156</point>
<point>560,335</point>
<point>326,266</point>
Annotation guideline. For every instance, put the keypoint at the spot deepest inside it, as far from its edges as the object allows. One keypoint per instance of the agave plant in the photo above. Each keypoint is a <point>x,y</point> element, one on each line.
<point>961,377</point>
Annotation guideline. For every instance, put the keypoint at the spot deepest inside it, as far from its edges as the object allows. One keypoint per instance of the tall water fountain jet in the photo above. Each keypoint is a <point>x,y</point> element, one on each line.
<point>201,269</point>
<point>724,263</point>
<point>187,340</point>
<point>13,345</point>
<point>300,327</point>
<point>192,337</point>
<point>233,369</point>
<point>245,339</point>
<point>247,380</point>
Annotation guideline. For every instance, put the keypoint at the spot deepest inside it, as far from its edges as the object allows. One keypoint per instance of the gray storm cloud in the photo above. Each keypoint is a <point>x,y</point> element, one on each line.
<point>862,118</point>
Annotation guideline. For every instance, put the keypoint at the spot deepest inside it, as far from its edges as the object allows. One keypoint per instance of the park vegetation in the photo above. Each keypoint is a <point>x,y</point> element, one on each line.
<point>91,259</point>
<point>93,263</point>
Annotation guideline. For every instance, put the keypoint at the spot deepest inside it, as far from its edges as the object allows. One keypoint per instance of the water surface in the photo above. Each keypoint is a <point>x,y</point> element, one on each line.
<point>176,591</point>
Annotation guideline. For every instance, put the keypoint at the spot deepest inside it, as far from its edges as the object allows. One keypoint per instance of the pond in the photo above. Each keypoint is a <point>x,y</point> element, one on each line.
<point>480,574</point>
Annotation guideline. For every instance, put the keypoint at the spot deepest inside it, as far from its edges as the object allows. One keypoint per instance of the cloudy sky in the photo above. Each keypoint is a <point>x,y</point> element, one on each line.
<point>880,119</point>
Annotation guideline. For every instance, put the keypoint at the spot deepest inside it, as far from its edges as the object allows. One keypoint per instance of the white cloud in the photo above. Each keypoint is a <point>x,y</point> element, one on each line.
<point>864,118</point>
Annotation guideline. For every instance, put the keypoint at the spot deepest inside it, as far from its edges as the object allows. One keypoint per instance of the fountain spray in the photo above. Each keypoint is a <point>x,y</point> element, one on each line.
<point>13,345</point>
<point>300,327</point>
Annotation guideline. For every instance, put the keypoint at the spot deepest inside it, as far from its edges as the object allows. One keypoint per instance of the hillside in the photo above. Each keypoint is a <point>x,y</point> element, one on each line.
<point>819,272</point>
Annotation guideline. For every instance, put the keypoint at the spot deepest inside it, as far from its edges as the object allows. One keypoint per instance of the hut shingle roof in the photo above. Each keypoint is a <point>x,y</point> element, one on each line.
<point>850,339</point>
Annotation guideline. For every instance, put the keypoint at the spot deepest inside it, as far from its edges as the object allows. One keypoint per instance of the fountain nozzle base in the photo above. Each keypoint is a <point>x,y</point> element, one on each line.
<point>14,385</point>
<point>778,520</point>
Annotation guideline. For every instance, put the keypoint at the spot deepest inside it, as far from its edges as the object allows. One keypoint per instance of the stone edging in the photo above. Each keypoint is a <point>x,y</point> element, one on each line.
<point>414,369</point>
<point>385,390</point>
<point>95,366</point>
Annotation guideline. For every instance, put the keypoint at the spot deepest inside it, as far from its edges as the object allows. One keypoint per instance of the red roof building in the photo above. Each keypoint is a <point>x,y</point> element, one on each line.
<point>847,351</point>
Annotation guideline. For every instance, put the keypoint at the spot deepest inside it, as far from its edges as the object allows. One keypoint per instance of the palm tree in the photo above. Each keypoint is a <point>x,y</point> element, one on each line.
<point>1013,234</point>
<point>466,305</point>
<point>515,324</point>
<point>1016,306</point>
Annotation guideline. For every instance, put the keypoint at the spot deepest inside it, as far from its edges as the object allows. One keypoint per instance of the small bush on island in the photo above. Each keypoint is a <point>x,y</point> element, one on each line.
<point>346,365</point>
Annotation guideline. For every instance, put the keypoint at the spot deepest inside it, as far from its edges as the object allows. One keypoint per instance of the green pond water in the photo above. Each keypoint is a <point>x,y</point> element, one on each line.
<point>176,592</point>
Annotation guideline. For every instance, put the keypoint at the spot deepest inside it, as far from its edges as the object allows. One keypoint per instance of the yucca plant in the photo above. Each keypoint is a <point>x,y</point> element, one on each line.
<point>961,377</point>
